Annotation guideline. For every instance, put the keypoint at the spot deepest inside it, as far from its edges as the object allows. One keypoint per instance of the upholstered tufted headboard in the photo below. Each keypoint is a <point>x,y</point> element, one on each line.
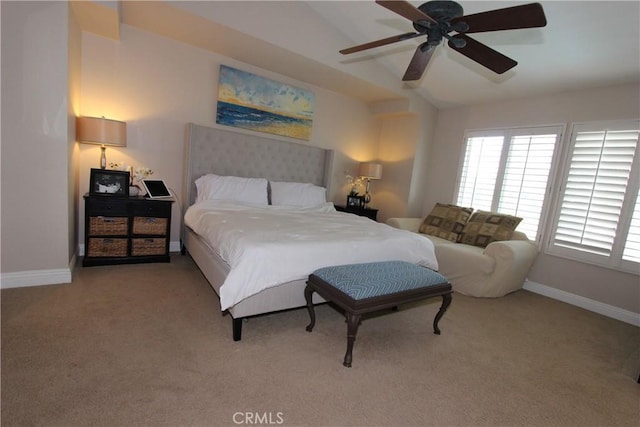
<point>223,152</point>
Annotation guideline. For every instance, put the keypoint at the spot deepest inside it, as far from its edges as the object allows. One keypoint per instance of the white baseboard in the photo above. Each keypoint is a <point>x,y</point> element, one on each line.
<point>175,246</point>
<point>63,275</point>
<point>24,279</point>
<point>586,303</point>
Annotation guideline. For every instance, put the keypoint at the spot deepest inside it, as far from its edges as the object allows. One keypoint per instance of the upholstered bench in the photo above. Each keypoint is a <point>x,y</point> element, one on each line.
<point>368,287</point>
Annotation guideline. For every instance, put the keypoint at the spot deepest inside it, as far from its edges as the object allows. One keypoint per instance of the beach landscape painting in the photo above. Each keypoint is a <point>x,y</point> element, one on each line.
<point>253,102</point>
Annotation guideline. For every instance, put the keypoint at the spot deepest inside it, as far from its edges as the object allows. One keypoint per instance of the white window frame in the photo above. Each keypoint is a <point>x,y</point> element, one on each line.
<point>614,260</point>
<point>507,134</point>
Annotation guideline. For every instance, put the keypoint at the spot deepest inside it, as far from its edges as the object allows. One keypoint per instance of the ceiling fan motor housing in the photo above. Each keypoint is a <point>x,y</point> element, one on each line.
<point>442,11</point>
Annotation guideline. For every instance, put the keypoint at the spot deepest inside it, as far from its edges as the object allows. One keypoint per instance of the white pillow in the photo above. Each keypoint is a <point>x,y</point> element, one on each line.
<point>297,194</point>
<point>247,190</point>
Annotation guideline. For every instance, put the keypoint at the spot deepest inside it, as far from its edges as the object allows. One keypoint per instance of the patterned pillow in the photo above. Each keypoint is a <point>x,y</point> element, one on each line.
<point>486,227</point>
<point>446,221</point>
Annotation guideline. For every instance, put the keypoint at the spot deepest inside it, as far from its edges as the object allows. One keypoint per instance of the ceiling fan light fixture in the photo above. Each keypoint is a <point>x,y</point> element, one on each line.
<point>457,42</point>
<point>460,27</point>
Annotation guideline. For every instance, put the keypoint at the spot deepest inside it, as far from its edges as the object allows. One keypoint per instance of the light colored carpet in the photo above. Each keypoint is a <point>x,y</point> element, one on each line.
<point>146,345</point>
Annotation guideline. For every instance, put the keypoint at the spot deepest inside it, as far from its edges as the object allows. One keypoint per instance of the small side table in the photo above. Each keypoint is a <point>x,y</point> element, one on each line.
<point>369,213</point>
<point>126,230</point>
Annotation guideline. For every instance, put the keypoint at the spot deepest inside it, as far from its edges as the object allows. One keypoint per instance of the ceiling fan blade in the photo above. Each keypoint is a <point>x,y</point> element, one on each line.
<point>381,42</point>
<point>406,9</point>
<point>511,18</point>
<point>483,54</point>
<point>418,63</point>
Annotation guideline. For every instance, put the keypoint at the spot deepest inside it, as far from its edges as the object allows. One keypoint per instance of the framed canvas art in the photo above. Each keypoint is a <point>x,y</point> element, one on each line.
<point>256,103</point>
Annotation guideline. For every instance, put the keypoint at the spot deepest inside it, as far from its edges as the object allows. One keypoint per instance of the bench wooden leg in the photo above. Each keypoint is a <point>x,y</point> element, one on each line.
<point>308,296</point>
<point>446,300</point>
<point>353,320</point>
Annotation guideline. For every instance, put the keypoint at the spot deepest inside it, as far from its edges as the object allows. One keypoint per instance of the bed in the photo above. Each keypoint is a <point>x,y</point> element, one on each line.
<point>234,154</point>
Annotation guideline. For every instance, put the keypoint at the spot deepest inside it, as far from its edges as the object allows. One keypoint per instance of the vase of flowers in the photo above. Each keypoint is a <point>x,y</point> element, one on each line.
<point>354,182</point>
<point>135,176</point>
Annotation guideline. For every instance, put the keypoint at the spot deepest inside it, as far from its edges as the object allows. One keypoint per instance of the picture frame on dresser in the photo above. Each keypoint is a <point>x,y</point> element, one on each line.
<point>106,182</point>
<point>355,201</point>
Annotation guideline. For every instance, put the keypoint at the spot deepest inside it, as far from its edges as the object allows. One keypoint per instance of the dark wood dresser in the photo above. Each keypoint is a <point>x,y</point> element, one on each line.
<point>369,213</point>
<point>126,230</point>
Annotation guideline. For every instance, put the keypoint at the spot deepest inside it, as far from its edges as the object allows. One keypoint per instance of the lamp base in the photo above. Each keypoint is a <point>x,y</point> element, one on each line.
<point>367,195</point>
<point>103,157</point>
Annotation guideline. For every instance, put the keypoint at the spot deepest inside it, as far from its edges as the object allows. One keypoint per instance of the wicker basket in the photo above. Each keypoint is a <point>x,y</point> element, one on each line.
<point>149,225</point>
<point>142,247</point>
<point>107,226</point>
<point>107,247</point>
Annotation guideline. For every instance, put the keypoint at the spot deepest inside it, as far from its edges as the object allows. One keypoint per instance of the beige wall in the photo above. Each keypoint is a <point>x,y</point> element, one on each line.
<point>398,142</point>
<point>157,86</point>
<point>35,140</point>
<point>74,52</point>
<point>619,102</point>
<point>401,140</point>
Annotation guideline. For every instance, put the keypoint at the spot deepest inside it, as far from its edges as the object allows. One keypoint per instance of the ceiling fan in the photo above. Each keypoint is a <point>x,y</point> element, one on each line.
<point>436,19</point>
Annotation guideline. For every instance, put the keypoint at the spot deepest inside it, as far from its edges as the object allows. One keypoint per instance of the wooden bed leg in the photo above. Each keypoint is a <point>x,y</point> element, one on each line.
<point>237,329</point>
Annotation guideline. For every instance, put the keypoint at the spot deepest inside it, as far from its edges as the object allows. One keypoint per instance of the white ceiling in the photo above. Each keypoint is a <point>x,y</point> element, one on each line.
<point>585,44</point>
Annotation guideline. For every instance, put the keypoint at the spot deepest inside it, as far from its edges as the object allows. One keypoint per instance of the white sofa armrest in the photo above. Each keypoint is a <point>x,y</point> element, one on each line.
<point>513,259</point>
<point>411,224</point>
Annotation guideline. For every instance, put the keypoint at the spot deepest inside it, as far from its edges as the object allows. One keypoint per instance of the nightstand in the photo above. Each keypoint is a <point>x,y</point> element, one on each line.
<point>369,213</point>
<point>126,230</point>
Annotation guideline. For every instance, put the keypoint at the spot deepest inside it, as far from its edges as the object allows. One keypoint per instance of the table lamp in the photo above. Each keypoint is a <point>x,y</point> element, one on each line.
<point>93,130</point>
<point>370,171</point>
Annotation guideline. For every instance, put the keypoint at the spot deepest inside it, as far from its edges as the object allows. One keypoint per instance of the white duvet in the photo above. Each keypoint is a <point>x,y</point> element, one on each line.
<point>265,246</point>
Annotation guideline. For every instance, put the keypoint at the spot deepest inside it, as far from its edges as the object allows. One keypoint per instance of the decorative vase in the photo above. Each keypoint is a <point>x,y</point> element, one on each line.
<point>134,190</point>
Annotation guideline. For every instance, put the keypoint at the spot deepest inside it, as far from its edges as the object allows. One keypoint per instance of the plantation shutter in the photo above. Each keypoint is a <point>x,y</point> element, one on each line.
<point>507,171</point>
<point>525,181</point>
<point>479,172</point>
<point>632,244</point>
<point>598,175</point>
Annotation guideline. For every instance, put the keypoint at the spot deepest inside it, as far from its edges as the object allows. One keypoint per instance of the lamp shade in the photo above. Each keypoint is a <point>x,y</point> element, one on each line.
<point>371,170</point>
<point>93,130</point>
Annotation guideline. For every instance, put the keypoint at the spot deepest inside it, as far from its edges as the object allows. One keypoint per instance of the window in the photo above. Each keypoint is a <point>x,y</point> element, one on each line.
<point>508,171</point>
<point>598,213</point>
<point>480,171</point>
<point>632,246</point>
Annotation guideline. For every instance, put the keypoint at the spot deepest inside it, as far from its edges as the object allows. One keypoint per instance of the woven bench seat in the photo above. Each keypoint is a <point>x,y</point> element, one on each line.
<point>363,288</point>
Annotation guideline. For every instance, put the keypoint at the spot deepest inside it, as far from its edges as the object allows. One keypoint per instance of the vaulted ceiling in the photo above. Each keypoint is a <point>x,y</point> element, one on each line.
<point>585,44</point>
